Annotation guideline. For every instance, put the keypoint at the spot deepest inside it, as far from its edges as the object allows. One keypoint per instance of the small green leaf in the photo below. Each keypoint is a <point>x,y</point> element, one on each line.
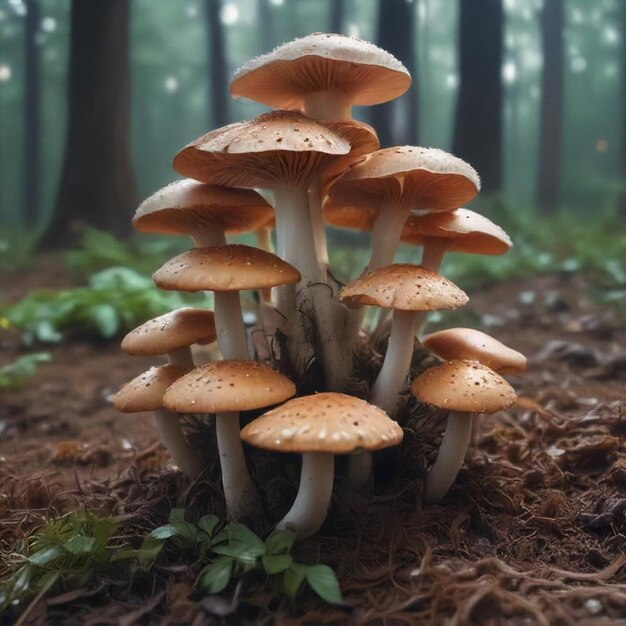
<point>253,543</point>
<point>216,576</point>
<point>176,515</point>
<point>106,320</point>
<point>280,542</point>
<point>164,532</point>
<point>79,544</point>
<point>208,523</point>
<point>293,579</point>
<point>145,555</point>
<point>277,563</point>
<point>323,581</point>
<point>43,557</point>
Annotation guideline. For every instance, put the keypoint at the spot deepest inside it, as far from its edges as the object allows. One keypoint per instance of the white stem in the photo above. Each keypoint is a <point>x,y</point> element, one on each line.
<point>432,257</point>
<point>450,458</point>
<point>317,222</point>
<point>181,357</point>
<point>328,105</point>
<point>386,235</point>
<point>397,363</point>
<point>175,443</point>
<point>360,470</point>
<point>209,237</point>
<point>231,331</point>
<point>241,494</point>
<point>310,507</point>
<point>264,239</point>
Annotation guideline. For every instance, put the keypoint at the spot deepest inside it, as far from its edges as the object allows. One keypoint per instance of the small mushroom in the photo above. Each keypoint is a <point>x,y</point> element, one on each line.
<point>145,393</point>
<point>226,388</point>
<point>465,388</point>
<point>319,427</point>
<point>172,334</point>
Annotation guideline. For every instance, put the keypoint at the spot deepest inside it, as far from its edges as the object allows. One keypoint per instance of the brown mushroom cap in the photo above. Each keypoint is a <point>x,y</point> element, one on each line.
<point>414,177</point>
<point>184,205</point>
<point>321,62</point>
<point>405,287</point>
<point>224,268</point>
<point>468,343</point>
<point>326,422</point>
<point>171,331</point>
<point>464,386</point>
<point>280,148</point>
<point>462,229</point>
<point>228,386</point>
<point>146,391</point>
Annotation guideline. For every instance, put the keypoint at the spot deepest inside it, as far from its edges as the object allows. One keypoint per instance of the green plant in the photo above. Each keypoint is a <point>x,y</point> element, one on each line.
<point>115,301</point>
<point>15,374</point>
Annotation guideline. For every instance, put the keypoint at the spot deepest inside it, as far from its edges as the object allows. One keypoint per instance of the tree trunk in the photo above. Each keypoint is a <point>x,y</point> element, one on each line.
<point>478,127</point>
<point>265,26</point>
<point>551,127</point>
<point>337,16</point>
<point>218,71</point>
<point>31,159</point>
<point>396,122</point>
<point>97,186</point>
<point>622,201</point>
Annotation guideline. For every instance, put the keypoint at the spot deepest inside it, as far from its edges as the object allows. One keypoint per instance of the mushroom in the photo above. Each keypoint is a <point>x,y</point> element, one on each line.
<point>322,75</point>
<point>172,334</point>
<point>474,345</point>
<point>464,388</point>
<point>226,270</point>
<point>225,388</point>
<point>319,427</point>
<point>204,212</point>
<point>145,393</point>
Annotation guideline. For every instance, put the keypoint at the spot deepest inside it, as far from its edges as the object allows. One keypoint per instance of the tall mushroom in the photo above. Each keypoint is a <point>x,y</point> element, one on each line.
<point>172,334</point>
<point>145,393</point>
<point>226,388</point>
<point>464,388</point>
<point>319,427</point>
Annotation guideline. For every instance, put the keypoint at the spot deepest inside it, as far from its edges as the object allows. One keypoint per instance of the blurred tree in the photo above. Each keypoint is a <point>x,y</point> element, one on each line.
<point>396,122</point>
<point>337,16</point>
<point>218,70</point>
<point>478,124</point>
<point>31,157</point>
<point>551,126</point>
<point>97,185</point>
<point>623,104</point>
<point>265,26</point>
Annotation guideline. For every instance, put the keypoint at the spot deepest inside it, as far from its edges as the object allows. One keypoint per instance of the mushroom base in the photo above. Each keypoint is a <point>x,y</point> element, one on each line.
<point>173,439</point>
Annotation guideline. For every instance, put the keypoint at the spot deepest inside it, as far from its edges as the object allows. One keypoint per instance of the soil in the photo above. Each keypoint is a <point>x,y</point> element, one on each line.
<point>533,531</point>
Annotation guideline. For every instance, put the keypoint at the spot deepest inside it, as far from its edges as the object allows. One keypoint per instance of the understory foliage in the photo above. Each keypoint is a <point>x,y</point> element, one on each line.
<point>81,547</point>
<point>13,375</point>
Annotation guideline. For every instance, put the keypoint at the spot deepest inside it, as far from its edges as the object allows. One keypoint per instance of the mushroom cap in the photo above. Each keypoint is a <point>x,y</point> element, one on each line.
<point>280,148</point>
<point>185,205</point>
<point>462,229</point>
<point>228,386</point>
<point>232,267</point>
<point>146,391</point>
<point>171,331</point>
<point>464,386</point>
<point>414,177</point>
<point>284,77</point>
<point>325,422</point>
<point>468,343</point>
<point>405,287</point>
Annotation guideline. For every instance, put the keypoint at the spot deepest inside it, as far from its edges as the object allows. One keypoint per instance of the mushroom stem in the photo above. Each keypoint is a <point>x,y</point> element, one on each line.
<point>386,235</point>
<point>240,492</point>
<point>173,438</point>
<point>450,458</point>
<point>263,239</point>
<point>328,105</point>
<point>317,223</point>
<point>231,331</point>
<point>208,237</point>
<point>181,357</point>
<point>397,363</point>
<point>433,253</point>
<point>360,471</point>
<point>310,507</point>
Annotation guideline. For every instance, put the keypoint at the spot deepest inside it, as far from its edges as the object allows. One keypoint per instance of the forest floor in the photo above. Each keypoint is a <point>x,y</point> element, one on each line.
<point>533,531</point>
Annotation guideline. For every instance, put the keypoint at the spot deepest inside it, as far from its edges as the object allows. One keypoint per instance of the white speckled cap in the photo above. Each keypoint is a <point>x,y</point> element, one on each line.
<point>325,422</point>
<point>464,386</point>
<point>283,78</point>
<point>415,177</point>
<point>225,268</point>
<point>225,386</point>
<point>405,287</point>
<point>145,393</point>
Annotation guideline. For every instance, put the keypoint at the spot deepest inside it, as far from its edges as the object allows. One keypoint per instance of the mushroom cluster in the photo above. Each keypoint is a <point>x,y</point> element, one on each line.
<point>286,175</point>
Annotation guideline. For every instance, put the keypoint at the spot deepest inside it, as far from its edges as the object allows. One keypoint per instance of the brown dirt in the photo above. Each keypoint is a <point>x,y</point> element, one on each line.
<point>533,532</point>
